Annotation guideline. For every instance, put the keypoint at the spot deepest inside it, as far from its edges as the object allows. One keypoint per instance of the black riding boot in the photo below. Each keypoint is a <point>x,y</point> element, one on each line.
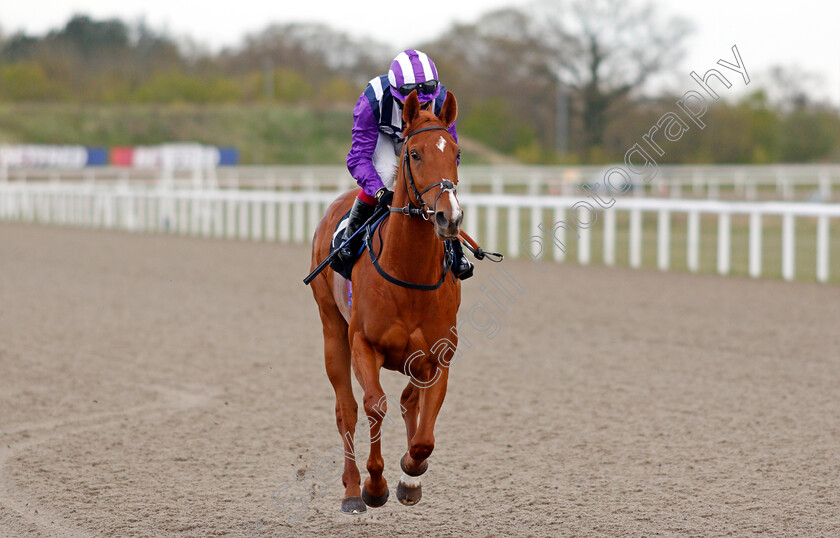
<point>461,266</point>
<point>360,213</point>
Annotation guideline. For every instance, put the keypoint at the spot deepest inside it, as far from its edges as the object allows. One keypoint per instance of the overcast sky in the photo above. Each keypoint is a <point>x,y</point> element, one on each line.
<point>801,33</point>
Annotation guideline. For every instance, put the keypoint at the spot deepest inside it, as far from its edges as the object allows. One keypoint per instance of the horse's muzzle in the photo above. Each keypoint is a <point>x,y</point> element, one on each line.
<point>448,224</point>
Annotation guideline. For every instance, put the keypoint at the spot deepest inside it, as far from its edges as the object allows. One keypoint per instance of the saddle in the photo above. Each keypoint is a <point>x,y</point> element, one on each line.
<point>342,267</point>
<point>345,268</point>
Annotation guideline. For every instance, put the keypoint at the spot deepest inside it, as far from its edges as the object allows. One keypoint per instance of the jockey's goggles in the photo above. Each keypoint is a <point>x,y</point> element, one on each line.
<point>425,88</point>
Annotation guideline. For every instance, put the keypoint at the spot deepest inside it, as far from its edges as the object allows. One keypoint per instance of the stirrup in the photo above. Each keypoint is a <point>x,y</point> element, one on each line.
<point>465,271</point>
<point>462,267</point>
<point>346,254</point>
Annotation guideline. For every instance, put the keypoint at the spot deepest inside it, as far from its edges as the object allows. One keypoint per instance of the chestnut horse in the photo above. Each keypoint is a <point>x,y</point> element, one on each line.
<point>399,320</point>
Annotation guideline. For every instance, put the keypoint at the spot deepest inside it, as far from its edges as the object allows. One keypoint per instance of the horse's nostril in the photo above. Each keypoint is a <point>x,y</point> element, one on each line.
<point>441,220</point>
<point>460,218</point>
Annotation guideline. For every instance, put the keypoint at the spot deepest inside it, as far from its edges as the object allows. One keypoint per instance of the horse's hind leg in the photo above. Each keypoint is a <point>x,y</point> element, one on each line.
<point>337,361</point>
<point>422,442</point>
<point>409,401</point>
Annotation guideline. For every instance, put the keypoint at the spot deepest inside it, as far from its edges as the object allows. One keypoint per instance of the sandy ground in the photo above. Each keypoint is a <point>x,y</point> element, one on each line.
<point>155,386</point>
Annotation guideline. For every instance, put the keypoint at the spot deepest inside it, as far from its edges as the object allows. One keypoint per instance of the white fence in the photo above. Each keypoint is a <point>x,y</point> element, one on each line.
<point>293,215</point>
<point>745,182</point>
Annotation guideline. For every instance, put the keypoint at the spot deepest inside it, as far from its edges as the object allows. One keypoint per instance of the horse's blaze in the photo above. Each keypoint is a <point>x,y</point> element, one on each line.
<point>456,207</point>
<point>448,219</point>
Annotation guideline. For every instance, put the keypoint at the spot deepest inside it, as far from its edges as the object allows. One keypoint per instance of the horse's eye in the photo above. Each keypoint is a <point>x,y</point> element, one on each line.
<point>459,154</point>
<point>415,155</point>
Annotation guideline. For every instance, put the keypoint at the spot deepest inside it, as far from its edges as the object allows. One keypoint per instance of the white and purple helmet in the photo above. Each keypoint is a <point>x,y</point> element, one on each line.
<point>413,70</point>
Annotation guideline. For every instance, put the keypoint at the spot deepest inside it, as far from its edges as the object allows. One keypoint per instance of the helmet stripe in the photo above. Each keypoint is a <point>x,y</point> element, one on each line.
<point>407,68</point>
<point>396,69</point>
<point>427,67</point>
<point>416,65</point>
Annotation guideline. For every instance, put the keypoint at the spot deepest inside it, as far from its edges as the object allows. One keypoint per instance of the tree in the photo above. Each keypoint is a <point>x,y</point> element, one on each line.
<point>605,50</point>
<point>498,68</point>
<point>316,51</point>
<point>788,86</point>
<point>88,60</point>
<point>89,36</point>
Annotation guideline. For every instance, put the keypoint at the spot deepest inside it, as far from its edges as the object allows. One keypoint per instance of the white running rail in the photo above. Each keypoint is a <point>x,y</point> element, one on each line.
<point>744,182</point>
<point>536,227</point>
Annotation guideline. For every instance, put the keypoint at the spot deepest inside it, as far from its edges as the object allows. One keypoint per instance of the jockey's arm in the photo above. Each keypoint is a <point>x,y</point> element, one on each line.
<point>451,129</point>
<point>454,134</point>
<point>360,159</point>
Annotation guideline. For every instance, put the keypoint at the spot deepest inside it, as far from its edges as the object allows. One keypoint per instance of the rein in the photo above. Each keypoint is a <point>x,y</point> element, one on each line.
<point>411,210</point>
<point>448,258</point>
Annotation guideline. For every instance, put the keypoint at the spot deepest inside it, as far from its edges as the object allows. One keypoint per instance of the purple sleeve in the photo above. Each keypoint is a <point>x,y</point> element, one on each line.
<point>360,158</point>
<point>451,129</point>
<point>454,134</point>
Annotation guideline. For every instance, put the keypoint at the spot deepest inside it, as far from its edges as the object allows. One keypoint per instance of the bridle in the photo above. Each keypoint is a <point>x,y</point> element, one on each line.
<point>408,180</point>
<point>411,210</point>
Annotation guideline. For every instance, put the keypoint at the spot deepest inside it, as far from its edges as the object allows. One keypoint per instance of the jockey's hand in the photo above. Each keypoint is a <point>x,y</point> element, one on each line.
<point>384,197</point>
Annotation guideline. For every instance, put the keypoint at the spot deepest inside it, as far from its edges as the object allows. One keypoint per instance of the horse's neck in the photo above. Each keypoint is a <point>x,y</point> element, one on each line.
<point>411,245</point>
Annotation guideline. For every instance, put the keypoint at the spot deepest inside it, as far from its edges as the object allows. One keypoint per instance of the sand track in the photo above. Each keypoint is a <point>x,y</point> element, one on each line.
<point>156,385</point>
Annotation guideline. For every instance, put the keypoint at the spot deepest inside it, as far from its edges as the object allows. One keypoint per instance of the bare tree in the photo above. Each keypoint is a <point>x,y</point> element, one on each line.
<point>788,86</point>
<point>499,62</point>
<point>605,49</point>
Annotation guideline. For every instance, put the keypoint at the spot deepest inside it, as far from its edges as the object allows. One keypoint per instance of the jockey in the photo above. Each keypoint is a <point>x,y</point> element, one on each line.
<point>377,142</point>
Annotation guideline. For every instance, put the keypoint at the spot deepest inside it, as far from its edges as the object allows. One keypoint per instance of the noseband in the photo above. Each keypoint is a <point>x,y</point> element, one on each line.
<point>408,179</point>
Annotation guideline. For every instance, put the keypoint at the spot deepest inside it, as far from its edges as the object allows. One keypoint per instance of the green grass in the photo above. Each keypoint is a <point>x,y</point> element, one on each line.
<point>264,134</point>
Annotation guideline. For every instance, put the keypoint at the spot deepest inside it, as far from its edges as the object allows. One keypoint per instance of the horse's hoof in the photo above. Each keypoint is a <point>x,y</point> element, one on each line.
<point>418,473</point>
<point>409,495</point>
<point>374,502</point>
<point>353,505</point>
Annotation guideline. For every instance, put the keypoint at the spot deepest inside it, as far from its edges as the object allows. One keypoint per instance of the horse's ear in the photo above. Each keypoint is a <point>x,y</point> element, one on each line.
<point>411,108</point>
<point>449,110</point>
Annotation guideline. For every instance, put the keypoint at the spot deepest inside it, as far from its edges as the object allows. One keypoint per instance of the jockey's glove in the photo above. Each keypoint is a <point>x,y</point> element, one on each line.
<point>384,197</point>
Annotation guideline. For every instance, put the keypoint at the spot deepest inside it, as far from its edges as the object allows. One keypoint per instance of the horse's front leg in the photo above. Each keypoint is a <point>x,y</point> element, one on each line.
<point>422,443</point>
<point>409,488</point>
<point>367,362</point>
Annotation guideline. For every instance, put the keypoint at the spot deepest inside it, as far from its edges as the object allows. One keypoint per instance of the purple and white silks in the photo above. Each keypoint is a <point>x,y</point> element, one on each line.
<point>365,157</point>
<point>409,67</point>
